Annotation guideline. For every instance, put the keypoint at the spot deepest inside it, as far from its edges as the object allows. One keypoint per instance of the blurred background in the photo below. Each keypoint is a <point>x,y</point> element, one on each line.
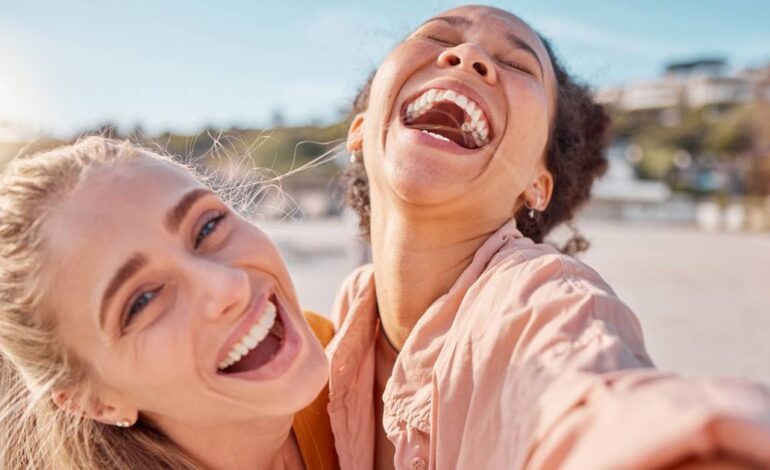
<point>680,225</point>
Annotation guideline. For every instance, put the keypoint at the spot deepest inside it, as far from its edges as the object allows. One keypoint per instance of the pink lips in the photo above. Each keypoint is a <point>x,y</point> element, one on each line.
<point>249,318</point>
<point>289,350</point>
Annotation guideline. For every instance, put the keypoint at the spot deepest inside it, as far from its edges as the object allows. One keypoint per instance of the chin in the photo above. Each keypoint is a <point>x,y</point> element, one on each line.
<point>418,182</point>
<point>423,170</point>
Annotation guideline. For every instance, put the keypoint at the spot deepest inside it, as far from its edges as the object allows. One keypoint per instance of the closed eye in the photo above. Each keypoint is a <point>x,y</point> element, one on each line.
<point>438,39</point>
<point>516,66</point>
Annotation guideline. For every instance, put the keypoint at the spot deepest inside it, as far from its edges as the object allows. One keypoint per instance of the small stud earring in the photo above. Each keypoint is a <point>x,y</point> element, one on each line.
<point>356,156</point>
<point>123,423</point>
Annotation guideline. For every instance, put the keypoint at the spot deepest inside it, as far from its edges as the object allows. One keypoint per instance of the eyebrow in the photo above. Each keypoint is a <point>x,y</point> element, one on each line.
<point>453,20</point>
<point>136,262</point>
<point>177,214</point>
<point>514,40</point>
<point>519,43</point>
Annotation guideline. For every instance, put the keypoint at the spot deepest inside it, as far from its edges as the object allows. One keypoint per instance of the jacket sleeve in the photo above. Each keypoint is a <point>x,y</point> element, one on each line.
<point>585,394</point>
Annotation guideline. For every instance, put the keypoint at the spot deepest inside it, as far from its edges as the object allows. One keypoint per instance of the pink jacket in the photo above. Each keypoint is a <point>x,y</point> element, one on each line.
<point>529,361</point>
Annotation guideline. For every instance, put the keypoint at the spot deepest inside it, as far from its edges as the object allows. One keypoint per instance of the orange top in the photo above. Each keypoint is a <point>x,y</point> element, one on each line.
<point>311,425</point>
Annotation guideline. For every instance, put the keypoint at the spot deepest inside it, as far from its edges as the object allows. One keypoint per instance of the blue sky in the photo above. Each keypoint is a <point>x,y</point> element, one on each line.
<point>179,65</point>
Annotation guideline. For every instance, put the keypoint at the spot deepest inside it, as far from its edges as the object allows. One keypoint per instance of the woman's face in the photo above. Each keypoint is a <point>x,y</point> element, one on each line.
<point>482,80</point>
<point>157,287</point>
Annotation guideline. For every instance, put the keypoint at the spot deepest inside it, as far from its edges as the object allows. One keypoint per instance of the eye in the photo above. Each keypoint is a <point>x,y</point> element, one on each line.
<point>438,39</point>
<point>140,302</point>
<point>208,228</point>
<point>516,66</point>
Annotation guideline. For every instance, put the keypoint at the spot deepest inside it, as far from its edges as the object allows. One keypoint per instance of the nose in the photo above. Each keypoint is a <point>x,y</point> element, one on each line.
<point>223,290</point>
<point>470,58</point>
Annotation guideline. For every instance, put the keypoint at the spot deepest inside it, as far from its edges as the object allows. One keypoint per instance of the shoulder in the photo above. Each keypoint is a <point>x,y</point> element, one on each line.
<point>527,268</point>
<point>535,282</point>
<point>532,298</point>
<point>321,326</point>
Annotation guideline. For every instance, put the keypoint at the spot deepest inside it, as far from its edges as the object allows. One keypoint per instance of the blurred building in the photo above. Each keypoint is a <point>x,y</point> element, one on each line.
<point>691,84</point>
<point>620,195</point>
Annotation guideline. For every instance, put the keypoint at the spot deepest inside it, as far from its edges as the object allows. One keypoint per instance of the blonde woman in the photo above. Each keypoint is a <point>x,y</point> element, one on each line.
<point>144,324</point>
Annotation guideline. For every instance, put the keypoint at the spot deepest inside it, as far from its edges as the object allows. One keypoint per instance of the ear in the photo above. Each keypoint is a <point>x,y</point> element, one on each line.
<point>72,402</point>
<point>538,192</point>
<point>356,134</point>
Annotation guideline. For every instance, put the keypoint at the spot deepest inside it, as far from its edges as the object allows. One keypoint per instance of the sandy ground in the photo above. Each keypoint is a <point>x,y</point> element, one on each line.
<point>703,298</point>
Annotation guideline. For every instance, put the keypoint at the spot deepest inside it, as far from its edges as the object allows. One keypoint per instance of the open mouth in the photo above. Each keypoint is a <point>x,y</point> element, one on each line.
<point>258,345</point>
<point>450,116</point>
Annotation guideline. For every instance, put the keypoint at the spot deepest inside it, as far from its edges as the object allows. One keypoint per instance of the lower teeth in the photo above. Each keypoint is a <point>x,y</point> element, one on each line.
<point>472,140</point>
<point>437,136</point>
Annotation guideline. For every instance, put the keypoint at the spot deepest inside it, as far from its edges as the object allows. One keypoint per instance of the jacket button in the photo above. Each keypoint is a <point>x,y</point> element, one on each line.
<point>418,463</point>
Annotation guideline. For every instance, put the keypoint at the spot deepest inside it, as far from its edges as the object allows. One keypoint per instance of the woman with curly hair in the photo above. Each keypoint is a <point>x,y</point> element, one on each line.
<point>469,343</point>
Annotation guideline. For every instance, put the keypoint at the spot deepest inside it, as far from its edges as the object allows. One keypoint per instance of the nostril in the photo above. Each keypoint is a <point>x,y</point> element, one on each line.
<point>453,60</point>
<point>480,68</point>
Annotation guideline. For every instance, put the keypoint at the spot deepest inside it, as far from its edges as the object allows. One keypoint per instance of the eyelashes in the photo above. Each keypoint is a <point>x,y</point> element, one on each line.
<point>141,301</point>
<point>209,227</point>
<point>438,39</point>
<point>515,66</point>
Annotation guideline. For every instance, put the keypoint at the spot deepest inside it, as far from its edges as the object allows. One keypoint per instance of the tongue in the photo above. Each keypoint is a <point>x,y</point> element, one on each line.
<point>260,355</point>
<point>444,118</point>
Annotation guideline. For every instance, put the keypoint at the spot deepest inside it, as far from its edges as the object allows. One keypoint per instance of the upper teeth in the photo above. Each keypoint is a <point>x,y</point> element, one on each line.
<point>252,338</point>
<point>475,123</point>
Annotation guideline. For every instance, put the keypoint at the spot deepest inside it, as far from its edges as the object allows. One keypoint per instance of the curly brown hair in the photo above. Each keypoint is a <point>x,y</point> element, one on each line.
<point>575,156</point>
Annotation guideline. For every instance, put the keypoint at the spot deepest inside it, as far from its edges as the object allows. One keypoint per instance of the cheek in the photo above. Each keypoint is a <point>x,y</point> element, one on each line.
<point>525,136</point>
<point>256,249</point>
<point>405,68</point>
<point>155,371</point>
<point>167,380</point>
<point>248,244</point>
<point>399,65</point>
<point>527,123</point>
<point>395,71</point>
<point>164,356</point>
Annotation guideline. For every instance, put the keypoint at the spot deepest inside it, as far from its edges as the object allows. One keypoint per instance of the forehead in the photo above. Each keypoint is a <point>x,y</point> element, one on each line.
<point>490,15</point>
<point>120,193</point>
<point>496,21</point>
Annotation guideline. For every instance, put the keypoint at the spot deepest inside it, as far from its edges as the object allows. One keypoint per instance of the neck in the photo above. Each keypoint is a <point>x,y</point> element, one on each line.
<point>262,445</point>
<point>418,254</point>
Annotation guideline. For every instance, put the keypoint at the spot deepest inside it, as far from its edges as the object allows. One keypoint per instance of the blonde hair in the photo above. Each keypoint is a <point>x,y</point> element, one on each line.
<point>36,433</point>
